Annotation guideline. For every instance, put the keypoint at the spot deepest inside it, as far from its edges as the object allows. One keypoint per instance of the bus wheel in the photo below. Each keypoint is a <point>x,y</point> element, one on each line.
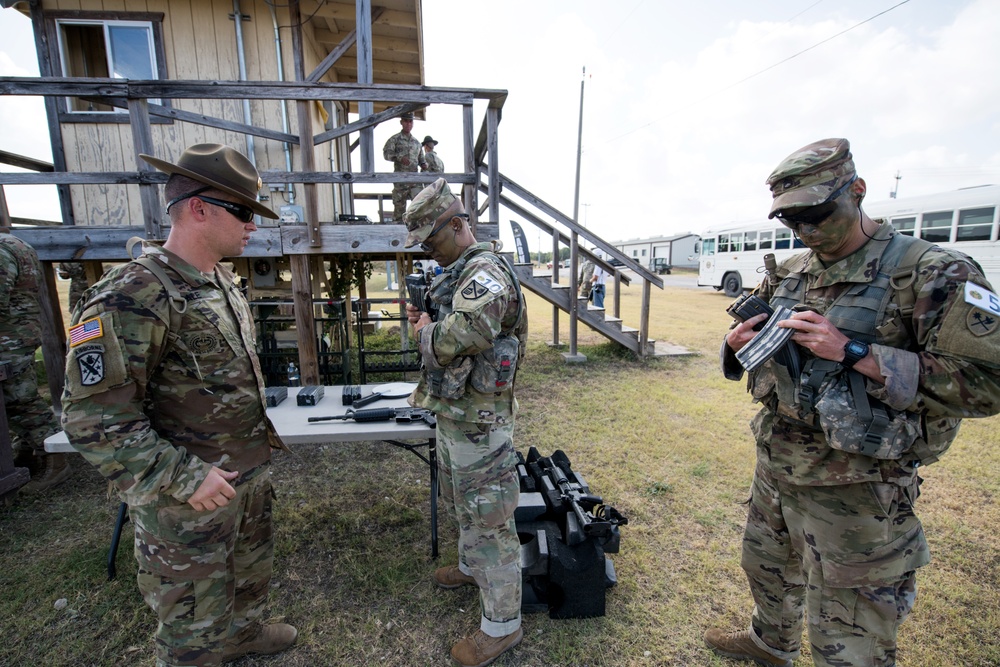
<point>733,285</point>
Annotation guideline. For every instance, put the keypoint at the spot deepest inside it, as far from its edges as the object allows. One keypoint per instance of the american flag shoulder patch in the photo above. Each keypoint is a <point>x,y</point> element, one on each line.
<point>84,331</point>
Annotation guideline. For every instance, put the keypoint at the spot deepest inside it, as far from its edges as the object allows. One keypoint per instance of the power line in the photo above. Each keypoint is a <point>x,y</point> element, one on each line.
<point>755,74</point>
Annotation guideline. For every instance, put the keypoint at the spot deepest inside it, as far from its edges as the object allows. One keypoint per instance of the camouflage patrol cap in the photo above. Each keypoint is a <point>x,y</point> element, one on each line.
<point>811,174</point>
<point>425,209</point>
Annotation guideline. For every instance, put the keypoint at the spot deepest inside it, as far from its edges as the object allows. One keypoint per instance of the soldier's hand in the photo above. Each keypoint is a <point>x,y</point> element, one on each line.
<point>405,162</point>
<point>743,332</point>
<point>412,313</point>
<point>215,491</point>
<point>817,334</point>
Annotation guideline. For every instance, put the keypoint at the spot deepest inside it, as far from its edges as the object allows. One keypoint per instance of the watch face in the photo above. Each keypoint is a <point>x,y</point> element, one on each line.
<point>857,348</point>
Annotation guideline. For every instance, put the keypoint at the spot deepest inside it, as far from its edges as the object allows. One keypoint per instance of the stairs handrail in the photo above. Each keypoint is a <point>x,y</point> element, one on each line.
<point>561,217</point>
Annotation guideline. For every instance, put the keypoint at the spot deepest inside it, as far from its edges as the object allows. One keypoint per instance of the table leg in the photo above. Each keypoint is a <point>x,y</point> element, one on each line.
<point>432,459</point>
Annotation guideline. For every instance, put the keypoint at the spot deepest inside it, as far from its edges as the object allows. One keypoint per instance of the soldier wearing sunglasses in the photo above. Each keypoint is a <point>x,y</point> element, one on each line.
<point>164,395</point>
<point>897,344</point>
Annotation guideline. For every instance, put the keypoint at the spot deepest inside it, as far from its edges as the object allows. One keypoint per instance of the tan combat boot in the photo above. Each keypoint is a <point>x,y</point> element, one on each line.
<point>53,470</point>
<point>273,638</point>
<point>451,577</point>
<point>739,646</point>
<point>480,649</point>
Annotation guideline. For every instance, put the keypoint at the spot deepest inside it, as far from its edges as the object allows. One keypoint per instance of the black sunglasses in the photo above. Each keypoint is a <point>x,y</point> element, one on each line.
<point>427,248</point>
<point>242,213</point>
<point>814,215</point>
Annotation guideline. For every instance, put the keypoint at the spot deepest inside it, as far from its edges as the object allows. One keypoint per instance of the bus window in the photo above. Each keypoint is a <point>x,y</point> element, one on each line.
<point>735,242</point>
<point>936,227</point>
<point>723,243</point>
<point>765,240</point>
<point>707,247</point>
<point>782,239</point>
<point>904,225</point>
<point>975,224</point>
<point>750,241</point>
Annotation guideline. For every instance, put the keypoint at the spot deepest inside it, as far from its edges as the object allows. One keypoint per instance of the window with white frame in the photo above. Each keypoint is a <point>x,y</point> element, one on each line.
<point>116,49</point>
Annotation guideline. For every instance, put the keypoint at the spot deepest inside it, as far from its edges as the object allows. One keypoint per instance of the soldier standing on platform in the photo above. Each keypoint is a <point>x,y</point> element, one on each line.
<point>434,163</point>
<point>469,357</point>
<point>403,150</point>
<point>165,396</point>
<point>29,417</point>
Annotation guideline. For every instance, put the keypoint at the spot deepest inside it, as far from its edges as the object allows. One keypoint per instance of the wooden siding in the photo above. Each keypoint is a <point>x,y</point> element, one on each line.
<point>199,43</point>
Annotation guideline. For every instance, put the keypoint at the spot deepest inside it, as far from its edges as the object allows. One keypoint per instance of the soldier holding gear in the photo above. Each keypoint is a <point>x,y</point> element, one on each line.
<point>403,150</point>
<point>896,348</point>
<point>29,417</point>
<point>469,360</point>
<point>165,396</point>
<point>434,163</point>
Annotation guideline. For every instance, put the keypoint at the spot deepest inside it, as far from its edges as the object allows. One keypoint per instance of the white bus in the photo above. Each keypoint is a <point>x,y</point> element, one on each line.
<point>732,259</point>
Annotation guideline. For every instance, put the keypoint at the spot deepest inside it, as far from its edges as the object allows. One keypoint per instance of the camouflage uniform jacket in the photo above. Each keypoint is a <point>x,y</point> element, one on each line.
<point>20,312</point>
<point>950,369</point>
<point>154,408</point>
<point>402,145</point>
<point>481,302</point>
<point>434,163</point>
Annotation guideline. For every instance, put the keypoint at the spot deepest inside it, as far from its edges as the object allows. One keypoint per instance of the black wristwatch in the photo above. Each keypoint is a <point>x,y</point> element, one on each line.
<point>854,351</point>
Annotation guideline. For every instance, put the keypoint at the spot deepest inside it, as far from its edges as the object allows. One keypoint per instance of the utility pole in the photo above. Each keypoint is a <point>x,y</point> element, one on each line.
<point>895,189</point>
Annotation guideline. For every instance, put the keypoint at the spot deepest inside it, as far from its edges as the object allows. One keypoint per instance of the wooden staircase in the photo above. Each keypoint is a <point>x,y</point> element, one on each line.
<point>598,319</point>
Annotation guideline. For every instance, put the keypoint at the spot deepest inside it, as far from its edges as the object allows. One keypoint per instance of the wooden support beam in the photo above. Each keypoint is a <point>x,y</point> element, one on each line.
<point>349,40</point>
<point>342,12</point>
<point>360,239</point>
<point>493,179</point>
<point>134,177</point>
<point>24,162</point>
<point>368,122</point>
<point>469,190</point>
<point>142,142</point>
<point>259,90</point>
<point>363,68</point>
<point>53,335</point>
<point>161,111</point>
<point>60,243</point>
<point>305,323</point>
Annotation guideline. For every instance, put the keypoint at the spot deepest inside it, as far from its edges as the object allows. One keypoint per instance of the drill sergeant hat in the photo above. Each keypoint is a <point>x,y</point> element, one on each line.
<point>811,174</point>
<point>223,168</point>
<point>426,209</point>
<point>428,140</point>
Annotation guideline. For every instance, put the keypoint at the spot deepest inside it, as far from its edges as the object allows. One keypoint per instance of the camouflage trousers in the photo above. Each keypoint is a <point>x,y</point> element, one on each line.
<point>844,555</point>
<point>206,574</point>
<point>401,192</point>
<point>479,486</point>
<point>30,418</point>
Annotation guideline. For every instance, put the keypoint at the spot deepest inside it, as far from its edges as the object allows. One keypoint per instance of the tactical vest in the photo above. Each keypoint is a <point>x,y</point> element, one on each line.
<point>493,369</point>
<point>828,398</point>
<point>27,331</point>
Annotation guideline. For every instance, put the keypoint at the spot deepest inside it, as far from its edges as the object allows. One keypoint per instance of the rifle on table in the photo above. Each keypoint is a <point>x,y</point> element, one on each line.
<point>400,415</point>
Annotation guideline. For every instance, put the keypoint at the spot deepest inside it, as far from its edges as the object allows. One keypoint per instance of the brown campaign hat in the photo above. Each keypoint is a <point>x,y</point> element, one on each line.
<point>811,174</point>
<point>222,167</point>
<point>428,140</point>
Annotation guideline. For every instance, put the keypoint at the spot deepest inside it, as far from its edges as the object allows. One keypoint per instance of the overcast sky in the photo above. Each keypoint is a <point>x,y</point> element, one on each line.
<point>688,106</point>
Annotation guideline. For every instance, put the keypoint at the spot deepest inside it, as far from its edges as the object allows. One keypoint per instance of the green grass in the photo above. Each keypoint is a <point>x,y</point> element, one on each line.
<point>664,441</point>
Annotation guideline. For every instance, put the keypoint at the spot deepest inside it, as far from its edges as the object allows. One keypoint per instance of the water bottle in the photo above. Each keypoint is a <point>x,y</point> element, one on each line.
<point>293,375</point>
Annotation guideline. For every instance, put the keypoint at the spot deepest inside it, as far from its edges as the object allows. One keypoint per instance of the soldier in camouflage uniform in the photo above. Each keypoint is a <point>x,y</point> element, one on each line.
<point>403,150</point>
<point>165,396</point>
<point>434,163</point>
<point>585,279</point>
<point>470,355</point>
<point>29,417</point>
<point>76,275</point>
<point>896,344</point>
